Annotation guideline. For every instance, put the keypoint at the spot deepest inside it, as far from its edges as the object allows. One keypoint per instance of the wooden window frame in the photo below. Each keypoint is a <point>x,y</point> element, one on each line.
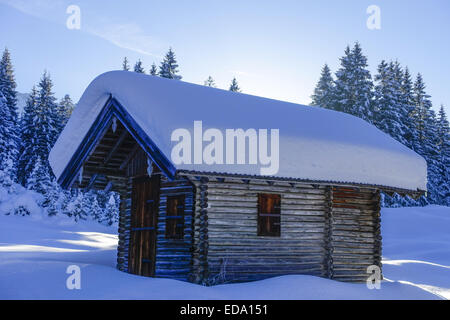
<point>269,215</point>
<point>175,217</point>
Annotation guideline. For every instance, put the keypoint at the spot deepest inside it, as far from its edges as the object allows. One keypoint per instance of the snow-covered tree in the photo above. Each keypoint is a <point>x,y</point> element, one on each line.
<point>6,181</point>
<point>388,109</point>
<point>54,198</point>
<point>28,156</point>
<point>234,86</point>
<point>410,135</point>
<point>324,91</point>
<point>39,179</point>
<point>138,67</point>
<point>93,209</point>
<point>64,111</point>
<point>169,67</point>
<point>210,82</point>
<point>153,70</point>
<point>76,207</point>
<point>443,185</point>
<point>353,85</point>
<point>422,105</point>
<point>40,128</point>
<point>125,64</point>
<point>111,212</point>
<point>9,140</point>
<point>425,122</point>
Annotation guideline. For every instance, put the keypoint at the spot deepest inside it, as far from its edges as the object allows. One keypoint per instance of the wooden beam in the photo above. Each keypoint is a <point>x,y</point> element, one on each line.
<point>115,147</point>
<point>92,181</point>
<point>104,171</point>
<point>108,186</point>
<point>129,157</point>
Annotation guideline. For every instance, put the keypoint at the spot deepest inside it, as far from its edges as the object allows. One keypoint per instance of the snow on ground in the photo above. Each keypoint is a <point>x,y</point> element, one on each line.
<point>35,252</point>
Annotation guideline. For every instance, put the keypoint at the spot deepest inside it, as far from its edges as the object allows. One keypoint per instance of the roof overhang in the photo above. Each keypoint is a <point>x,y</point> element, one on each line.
<point>113,109</point>
<point>415,194</point>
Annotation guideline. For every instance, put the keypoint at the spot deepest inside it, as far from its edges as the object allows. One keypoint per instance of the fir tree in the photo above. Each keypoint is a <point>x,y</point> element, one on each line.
<point>138,67</point>
<point>28,155</point>
<point>39,179</point>
<point>443,185</point>
<point>388,112</point>
<point>422,107</point>
<point>75,208</point>
<point>40,128</point>
<point>64,111</point>
<point>111,212</point>
<point>234,87</point>
<point>9,148</point>
<point>54,198</point>
<point>411,136</point>
<point>92,206</point>
<point>169,67</point>
<point>125,64</point>
<point>210,82</point>
<point>323,93</point>
<point>353,85</point>
<point>7,143</point>
<point>426,125</point>
<point>8,85</point>
<point>153,70</point>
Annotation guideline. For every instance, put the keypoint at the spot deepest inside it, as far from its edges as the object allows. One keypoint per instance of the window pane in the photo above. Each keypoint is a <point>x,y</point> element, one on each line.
<point>175,217</point>
<point>269,215</point>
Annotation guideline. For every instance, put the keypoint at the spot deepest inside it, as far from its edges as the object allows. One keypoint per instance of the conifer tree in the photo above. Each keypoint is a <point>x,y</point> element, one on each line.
<point>153,70</point>
<point>388,112</point>
<point>443,185</point>
<point>7,144</point>
<point>410,131</point>
<point>138,67</point>
<point>64,111</point>
<point>40,128</point>
<point>210,82</point>
<point>92,206</point>
<point>353,85</point>
<point>426,125</point>
<point>323,93</point>
<point>125,64</point>
<point>39,179</point>
<point>234,87</point>
<point>422,107</point>
<point>9,135</point>
<point>76,208</point>
<point>28,156</point>
<point>169,67</point>
<point>8,85</point>
<point>111,212</point>
<point>54,198</point>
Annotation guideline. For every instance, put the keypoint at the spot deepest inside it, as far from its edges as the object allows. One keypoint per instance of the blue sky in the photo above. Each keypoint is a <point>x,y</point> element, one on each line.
<point>274,48</point>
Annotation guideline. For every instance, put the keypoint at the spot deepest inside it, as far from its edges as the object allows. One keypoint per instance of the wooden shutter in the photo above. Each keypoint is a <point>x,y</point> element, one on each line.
<point>269,215</point>
<point>175,217</point>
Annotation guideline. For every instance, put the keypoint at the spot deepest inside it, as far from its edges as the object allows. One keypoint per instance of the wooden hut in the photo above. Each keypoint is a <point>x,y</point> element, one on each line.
<point>213,223</point>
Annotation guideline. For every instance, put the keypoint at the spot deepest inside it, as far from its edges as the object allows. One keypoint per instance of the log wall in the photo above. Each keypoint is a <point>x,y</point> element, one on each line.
<point>174,256</point>
<point>327,231</point>
<point>124,227</point>
<point>355,233</point>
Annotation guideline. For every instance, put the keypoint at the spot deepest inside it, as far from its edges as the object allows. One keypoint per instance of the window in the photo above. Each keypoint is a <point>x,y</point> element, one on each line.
<point>175,217</point>
<point>269,216</point>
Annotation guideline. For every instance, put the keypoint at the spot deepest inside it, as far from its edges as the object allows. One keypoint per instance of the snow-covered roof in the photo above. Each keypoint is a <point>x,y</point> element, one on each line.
<point>315,143</point>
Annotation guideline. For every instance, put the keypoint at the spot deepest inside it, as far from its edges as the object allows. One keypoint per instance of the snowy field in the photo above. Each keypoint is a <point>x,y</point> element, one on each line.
<point>35,253</point>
